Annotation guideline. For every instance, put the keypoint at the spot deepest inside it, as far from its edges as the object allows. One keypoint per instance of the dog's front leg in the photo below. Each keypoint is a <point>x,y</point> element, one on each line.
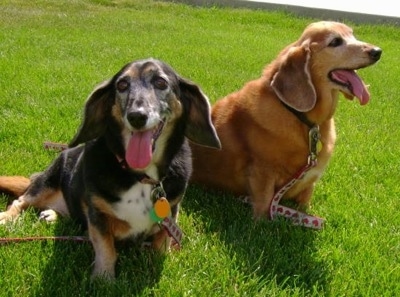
<point>161,241</point>
<point>105,253</point>
<point>261,189</point>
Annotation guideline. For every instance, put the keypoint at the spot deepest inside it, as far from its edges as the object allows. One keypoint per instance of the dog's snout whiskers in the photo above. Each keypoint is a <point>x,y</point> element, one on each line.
<point>137,119</point>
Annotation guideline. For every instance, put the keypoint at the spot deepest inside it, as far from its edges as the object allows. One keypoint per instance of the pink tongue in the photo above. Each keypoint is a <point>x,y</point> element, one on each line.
<point>357,86</point>
<point>139,151</point>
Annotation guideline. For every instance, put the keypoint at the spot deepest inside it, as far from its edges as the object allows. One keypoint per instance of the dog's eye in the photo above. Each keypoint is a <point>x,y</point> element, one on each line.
<point>122,85</point>
<point>336,42</point>
<point>160,83</point>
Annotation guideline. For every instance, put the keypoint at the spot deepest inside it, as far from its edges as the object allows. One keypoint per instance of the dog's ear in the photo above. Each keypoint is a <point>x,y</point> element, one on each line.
<point>292,83</point>
<point>199,128</point>
<point>97,107</point>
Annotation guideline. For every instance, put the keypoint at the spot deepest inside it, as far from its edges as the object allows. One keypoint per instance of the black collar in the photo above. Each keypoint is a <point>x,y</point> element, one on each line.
<point>300,115</point>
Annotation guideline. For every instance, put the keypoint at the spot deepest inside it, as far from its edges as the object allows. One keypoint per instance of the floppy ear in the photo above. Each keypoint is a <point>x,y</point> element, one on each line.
<point>292,83</point>
<point>97,108</point>
<point>199,128</point>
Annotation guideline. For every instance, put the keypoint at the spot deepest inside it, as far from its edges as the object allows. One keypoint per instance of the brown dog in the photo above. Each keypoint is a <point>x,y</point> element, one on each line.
<point>264,127</point>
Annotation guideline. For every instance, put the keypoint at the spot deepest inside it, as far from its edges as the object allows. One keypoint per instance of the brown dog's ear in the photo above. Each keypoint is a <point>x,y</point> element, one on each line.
<point>199,128</point>
<point>292,83</point>
<point>97,107</point>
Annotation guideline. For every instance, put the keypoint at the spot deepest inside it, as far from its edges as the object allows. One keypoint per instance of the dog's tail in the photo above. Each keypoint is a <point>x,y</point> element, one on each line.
<point>14,185</point>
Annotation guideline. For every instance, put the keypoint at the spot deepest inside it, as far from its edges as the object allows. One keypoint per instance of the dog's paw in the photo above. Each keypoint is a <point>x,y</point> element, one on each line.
<point>99,274</point>
<point>5,217</point>
<point>48,215</point>
<point>245,199</point>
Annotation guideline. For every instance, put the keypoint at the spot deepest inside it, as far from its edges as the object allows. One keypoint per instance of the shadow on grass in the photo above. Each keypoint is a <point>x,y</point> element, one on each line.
<point>69,267</point>
<point>276,252</point>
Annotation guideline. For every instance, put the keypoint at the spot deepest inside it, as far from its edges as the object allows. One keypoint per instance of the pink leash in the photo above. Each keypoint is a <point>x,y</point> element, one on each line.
<point>48,145</point>
<point>298,217</point>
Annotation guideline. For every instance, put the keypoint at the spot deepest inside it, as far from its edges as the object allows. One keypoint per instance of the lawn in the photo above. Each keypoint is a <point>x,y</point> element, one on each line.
<point>52,55</point>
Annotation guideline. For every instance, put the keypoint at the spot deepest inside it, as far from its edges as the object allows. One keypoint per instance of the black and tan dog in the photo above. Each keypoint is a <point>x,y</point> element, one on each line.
<point>134,142</point>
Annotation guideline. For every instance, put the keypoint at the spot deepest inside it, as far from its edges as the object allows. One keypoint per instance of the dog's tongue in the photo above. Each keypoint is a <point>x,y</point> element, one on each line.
<point>139,151</point>
<point>355,83</point>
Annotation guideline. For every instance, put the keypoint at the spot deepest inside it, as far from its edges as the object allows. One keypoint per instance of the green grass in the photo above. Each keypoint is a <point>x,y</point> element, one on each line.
<point>53,53</point>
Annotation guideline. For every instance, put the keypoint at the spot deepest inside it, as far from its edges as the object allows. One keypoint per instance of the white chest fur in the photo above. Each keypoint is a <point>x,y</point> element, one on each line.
<point>135,207</point>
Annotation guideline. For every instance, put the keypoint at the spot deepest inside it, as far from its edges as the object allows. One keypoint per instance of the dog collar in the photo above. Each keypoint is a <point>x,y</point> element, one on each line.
<point>300,115</point>
<point>122,162</point>
<point>297,217</point>
<point>143,178</point>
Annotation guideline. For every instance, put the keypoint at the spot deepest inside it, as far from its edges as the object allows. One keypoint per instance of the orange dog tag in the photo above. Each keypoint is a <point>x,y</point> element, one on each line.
<point>161,210</point>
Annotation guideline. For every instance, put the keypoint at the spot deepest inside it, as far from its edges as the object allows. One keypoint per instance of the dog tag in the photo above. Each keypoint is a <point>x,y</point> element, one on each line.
<point>314,142</point>
<point>319,146</point>
<point>161,209</point>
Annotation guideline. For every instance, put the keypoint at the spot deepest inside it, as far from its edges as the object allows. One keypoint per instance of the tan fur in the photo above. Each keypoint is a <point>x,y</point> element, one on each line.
<point>263,142</point>
<point>105,252</point>
<point>15,185</point>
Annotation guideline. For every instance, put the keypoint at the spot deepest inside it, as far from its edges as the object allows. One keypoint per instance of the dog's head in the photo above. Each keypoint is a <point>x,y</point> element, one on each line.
<point>324,59</point>
<point>145,101</point>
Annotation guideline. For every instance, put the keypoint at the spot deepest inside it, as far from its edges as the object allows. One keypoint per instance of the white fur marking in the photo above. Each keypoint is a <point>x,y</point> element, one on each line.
<point>134,208</point>
<point>48,215</point>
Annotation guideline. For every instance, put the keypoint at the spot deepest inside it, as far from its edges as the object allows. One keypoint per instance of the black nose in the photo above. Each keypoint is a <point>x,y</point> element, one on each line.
<point>375,53</point>
<point>137,119</point>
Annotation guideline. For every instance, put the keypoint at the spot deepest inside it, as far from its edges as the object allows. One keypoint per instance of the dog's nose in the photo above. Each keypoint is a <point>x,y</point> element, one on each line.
<point>137,119</point>
<point>375,53</point>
